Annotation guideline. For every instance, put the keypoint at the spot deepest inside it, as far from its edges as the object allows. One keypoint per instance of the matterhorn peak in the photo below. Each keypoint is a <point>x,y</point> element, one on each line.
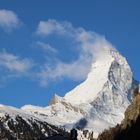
<point>100,101</point>
<point>109,68</point>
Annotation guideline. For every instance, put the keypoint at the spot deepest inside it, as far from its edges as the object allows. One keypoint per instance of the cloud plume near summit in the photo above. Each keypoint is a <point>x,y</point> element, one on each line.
<point>88,45</point>
<point>66,52</point>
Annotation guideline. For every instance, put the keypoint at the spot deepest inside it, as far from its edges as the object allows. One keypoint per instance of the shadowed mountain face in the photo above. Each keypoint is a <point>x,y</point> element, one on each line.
<point>130,126</point>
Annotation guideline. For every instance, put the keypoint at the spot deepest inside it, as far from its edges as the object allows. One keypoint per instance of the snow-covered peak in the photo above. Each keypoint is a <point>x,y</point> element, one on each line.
<point>99,75</point>
<point>97,100</point>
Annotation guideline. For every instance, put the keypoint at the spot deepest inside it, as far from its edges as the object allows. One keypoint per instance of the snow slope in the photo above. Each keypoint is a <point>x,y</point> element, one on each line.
<point>99,75</point>
<point>88,90</point>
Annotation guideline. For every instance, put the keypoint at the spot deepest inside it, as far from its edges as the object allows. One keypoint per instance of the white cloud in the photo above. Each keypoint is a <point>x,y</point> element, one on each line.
<point>90,45</point>
<point>52,26</point>
<point>8,20</point>
<point>12,67</point>
<point>47,48</point>
<point>14,64</point>
<point>76,71</point>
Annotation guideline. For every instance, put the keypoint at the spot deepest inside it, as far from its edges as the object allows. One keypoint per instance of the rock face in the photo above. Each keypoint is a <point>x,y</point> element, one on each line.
<point>133,111</point>
<point>54,100</point>
<point>130,126</point>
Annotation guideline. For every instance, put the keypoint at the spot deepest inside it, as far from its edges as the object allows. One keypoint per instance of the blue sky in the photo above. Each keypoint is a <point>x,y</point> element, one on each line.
<point>42,44</point>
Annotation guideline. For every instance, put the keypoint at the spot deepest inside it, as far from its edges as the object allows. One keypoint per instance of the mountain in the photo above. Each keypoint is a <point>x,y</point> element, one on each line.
<point>96,104</point>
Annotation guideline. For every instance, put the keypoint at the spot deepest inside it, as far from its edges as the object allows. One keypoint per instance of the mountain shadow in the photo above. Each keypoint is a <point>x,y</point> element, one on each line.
<point>130,133</point>
<point>81,124</point>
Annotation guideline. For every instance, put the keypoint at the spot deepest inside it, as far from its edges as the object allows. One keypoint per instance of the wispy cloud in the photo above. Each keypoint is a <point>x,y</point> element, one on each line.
<point>87,45</point>
<point>76,70</point>
<point>13,63</point>
<point>86,42</point>
<point>12,66</point>
<point>9,20</point>
<point>46,28</point>
<point>47,48</point>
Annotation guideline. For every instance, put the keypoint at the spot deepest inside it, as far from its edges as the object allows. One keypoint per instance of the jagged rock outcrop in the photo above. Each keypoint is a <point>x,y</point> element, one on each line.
<point>55,99</point>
